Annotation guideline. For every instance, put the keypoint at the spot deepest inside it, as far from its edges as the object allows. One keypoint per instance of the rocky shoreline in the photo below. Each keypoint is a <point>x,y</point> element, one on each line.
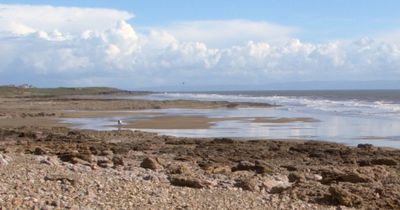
<point>58,168</point>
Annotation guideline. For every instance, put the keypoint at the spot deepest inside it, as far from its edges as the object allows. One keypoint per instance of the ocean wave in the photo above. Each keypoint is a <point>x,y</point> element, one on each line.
<point>352,107</point>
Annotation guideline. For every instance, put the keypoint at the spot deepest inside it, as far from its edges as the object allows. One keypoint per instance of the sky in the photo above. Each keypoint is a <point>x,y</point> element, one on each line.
<point>207,45</point>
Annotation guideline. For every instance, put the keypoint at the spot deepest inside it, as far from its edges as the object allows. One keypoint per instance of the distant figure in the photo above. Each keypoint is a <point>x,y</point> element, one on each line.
<point>183,83</point>
<point>119,122</point>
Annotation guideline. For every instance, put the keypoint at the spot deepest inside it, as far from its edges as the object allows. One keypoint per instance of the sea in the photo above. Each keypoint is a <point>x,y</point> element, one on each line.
<point>350,117</point>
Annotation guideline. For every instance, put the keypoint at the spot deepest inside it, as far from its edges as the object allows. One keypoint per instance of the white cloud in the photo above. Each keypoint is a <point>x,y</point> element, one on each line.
<point>113,53</point>
<point>225,33</point>
<point>22,19</point>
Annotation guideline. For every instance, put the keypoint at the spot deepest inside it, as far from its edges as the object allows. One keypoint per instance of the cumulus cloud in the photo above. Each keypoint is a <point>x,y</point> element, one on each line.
<point>24,19</point>
<point>81,50</point>
<point>225,33</point>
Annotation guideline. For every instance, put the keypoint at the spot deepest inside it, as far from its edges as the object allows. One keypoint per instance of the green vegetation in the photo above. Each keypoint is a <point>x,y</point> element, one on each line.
<point>11,91</point>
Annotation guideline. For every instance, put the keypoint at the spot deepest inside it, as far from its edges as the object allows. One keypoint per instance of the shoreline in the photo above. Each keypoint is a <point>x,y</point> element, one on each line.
<point>41,159</point>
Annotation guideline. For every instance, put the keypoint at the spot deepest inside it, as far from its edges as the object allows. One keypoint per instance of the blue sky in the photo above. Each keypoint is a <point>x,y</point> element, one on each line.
<point>318,20</point>
<point>155,44</point>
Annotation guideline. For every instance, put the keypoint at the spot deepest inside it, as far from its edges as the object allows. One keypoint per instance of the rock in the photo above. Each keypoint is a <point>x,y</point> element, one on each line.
<point>220,170</point>
<point>87,157</point>
<point>343,197</point>
<point>335,176</point>
<point>314,177</point>
<point>290,168</point>
<point>243,166</point>
<point>223,141</point>
<point>4,160</point>
<point>384,161</point>
<point>105,163</point>
<point>151,163</point>
<point>250,184</point>
<point>295,177</point>
<point>364,163</point>
<point>190,182</point>
<point>178,169</point>
<point>258,166</point>
<point>118,161</point>
<point>107,153</point>
<point>365,146</point>
<point>64,179</point>
<point>52,161</point>
<point>39,151</point>
<point>69,156</point>
<point>276,184</point>
<point>262,167</point>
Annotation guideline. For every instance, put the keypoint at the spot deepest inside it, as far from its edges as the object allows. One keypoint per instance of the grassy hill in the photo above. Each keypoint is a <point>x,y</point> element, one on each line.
<point>11,91</point>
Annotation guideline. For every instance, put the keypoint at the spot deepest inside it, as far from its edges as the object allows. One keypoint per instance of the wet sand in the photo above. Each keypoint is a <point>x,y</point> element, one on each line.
<point>283,120</point>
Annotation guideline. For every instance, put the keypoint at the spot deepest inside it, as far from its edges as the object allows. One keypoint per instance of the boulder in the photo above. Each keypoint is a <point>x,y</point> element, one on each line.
<point>276,184</point>
<point>244,166</point>
<point>295,177</point>
<point>107,153</point>
<point>250,184</point>
<point>190,182</point>
<point>151,163</point>
<point>178,169</point>
<point>105,163</point>
<point>39,151</point>
<point>335,176</point>
<point>344,197</point>
<point>262,167</point>
<point>258,166</point>
<point>365,146</point>
<point>384,161</point>
<point>220,169</point>
<point>118,161</point>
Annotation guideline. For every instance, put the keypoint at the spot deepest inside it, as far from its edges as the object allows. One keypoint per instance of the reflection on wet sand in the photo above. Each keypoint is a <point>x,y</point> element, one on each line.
<point>256,123</point>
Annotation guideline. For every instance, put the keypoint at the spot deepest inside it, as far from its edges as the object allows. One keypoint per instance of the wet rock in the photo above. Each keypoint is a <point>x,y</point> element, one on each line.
<point>151,163</point>
<point>39,151</point>
<point>344,197</point>
<point>190,182</point>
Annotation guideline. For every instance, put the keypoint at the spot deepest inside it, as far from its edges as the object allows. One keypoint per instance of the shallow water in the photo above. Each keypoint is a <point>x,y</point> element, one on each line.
<point>339,127</point>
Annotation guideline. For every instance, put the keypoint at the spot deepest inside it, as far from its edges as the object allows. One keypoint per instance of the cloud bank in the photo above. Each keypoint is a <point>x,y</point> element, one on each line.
<point>51,46</point>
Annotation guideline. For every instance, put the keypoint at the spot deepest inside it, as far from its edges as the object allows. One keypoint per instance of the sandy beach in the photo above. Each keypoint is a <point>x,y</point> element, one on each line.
<point>46,164</point>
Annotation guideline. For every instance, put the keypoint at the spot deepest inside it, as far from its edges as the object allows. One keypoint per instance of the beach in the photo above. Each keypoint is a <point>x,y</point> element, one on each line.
<point>50,161</point>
